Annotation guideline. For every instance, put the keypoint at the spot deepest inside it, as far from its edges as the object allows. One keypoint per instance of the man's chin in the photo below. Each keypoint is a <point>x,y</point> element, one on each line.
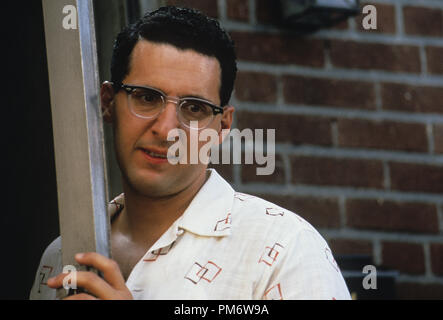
<point>150,183</point>
<point>160,183</point>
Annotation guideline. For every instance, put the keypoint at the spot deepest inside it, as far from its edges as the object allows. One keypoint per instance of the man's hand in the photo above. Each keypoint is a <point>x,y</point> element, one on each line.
<point>111,287</point>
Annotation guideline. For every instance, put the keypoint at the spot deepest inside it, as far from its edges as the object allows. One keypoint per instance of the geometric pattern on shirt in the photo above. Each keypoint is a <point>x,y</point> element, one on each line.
<point>275,212</point>
<point>243,196</point>
<point>208,272</point>
<point>273,293</point>
<point>153,255</point>
<point>223,224</point>
<point>270,254</point>
<point>45,272</point>
<point>117,205</point>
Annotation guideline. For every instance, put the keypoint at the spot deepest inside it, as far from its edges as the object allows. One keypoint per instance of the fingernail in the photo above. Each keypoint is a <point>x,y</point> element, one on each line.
<point>79,255</point>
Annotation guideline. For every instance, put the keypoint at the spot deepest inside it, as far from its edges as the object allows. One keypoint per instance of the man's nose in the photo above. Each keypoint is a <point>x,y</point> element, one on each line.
<point>166,120</point>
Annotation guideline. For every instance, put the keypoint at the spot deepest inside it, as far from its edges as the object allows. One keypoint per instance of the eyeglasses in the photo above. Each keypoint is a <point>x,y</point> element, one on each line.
<point>147,103</point>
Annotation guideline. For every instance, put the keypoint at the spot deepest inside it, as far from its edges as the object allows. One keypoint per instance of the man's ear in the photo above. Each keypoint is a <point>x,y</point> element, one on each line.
<point>107,95</point>
<point>226,122</point>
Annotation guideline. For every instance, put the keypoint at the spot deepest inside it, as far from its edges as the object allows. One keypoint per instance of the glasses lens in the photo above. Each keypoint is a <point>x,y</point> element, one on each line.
<point>196,111</point>
<point>146,102</point>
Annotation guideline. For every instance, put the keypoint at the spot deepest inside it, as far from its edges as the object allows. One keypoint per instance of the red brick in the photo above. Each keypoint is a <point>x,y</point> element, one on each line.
<point>408,98</point>
<point>385,18</point>
<point>437,258</point>
<point>438,138</point>
<point>389,135</point>
<point>338,172</point>
<point>416,177</point>
<point>278,48</point>
<point>434,57</point>
<point>342,25</point>
<point>320,212</point>
<point>293,129</point>
<point>392,216</point>
<point>350,246</point>
<point>256,87</point>
<point>237,10</point>
<point>208,7</point>
<point>249,173</point>
<point>404,257</point>
<point>267,12</point>
<point>329,92</point>
<point>370,56</point>
<point>416,291</point>
<point>423,21</point>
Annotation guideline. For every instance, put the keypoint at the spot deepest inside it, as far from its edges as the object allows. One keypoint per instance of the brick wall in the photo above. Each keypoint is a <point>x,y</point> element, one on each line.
<point>359,128</point>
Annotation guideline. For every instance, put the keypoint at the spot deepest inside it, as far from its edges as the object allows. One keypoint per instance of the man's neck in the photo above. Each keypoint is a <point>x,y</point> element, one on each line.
<point>145,219</point>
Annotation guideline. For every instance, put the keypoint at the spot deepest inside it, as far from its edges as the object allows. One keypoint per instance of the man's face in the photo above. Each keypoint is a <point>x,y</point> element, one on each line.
<point>178,73</point>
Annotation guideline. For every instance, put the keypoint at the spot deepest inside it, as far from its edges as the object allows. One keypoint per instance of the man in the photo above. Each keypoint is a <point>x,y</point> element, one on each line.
<point>180,231</point>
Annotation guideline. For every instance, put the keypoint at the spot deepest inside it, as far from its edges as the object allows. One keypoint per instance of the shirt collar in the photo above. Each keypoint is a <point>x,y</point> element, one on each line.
<point>209,213</point>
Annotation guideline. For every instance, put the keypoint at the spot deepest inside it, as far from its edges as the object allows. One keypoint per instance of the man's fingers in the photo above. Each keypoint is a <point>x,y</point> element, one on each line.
<point>57,281</point>
<point>112,286</point>
<point>86,280</point>
<point>109,268</point>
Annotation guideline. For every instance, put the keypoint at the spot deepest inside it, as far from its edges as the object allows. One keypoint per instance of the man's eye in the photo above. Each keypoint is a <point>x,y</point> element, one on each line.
<point>146,96</point>
<point>149,97</point>
<point>195,108</point>
<point>192,110</point>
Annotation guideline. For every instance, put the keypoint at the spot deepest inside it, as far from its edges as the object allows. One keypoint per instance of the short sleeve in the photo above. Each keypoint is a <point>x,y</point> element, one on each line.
<point>307,270</point>
<point>50,265</point>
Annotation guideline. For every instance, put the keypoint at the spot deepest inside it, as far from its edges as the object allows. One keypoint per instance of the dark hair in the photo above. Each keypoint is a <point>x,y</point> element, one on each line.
<point>184,29</point>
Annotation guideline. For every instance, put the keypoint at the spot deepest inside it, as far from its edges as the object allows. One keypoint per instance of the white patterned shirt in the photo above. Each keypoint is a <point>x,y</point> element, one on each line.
<point>226,245</point>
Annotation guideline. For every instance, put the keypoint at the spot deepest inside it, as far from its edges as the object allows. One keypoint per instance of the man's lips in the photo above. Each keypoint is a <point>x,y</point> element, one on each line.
<point>156,153</point>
